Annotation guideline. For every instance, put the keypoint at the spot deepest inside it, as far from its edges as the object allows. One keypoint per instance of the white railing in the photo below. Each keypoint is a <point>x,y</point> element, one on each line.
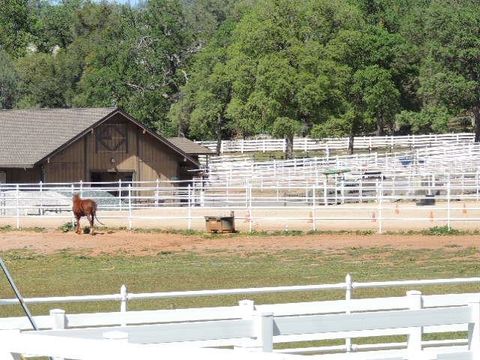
<point>258,327</point>
<point>113,346</point>
<point>439,160</point>
<point>340,144</point>
<point>369,200</point>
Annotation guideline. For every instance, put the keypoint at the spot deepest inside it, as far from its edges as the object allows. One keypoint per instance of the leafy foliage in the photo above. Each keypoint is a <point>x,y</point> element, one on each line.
<point>212,69</point>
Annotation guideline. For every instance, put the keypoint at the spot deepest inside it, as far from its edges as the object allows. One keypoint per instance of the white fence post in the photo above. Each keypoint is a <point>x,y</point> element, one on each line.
<point>325,191</point>
<point>250,214</point>
<point>17,205</point>
<point>157,190</point>
<point>123,304</point>
<point>474,330</point>
<point>59,322</point>
<point>40,185</point>
<point>189,194</point>
<point>314,208</point>
<point>348,297</point>
<point>120,194</point>
<point>414,343</point>
<point>448,201</point>
<point>379,186</point>
<point>129,206</point>
<point>73,217</point>
<point>264,331</point>
<point>246,309</point>
<point>81,188</point>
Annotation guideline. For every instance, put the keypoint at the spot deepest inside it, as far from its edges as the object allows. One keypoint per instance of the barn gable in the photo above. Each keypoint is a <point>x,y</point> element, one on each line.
<point>64,145</point>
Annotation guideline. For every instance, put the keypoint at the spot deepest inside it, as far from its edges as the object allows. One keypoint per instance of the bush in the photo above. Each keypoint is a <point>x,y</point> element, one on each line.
<point>68,226</point>
<point>441,230</point>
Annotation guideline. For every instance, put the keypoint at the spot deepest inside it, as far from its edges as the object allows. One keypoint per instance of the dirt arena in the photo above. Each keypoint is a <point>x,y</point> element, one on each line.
<point>137,244</point>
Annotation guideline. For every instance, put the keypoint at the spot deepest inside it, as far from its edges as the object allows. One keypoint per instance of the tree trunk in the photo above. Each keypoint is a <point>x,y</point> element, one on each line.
<point>289,147</point>
<point>380,131</point>
<point>219,134</point>
<point>350,142</point>
<point>221,121</point>
<point>476,117</point>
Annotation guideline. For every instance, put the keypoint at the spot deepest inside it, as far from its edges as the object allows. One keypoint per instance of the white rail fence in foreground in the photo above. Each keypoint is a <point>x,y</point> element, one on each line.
<point>374,202</point>
<point>259,327</point>
<point>340,144</point>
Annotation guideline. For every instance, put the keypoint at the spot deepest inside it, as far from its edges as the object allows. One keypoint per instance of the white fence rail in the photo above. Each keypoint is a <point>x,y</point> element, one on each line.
<point>369,201</point>
<point>340,144</point>
<point>438,160</point>
<point>349,286</point>
<point>259,327</point>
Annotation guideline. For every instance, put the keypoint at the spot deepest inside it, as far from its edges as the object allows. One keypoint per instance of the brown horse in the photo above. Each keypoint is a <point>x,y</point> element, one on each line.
<point>87,208</point>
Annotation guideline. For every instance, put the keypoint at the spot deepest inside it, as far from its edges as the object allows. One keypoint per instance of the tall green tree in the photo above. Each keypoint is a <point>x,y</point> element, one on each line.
<point>379,97</point>
<point>280,68</point>
<point>8,81</point>
<point>15,26</point>
<point>202,110</point>
<point>450,71</point>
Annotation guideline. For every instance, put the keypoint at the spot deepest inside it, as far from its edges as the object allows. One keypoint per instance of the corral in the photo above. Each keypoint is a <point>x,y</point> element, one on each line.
<point>434,190</point>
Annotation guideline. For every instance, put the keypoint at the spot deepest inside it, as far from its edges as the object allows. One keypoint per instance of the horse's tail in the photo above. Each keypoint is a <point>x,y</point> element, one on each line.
<point>98,220</point>
<point>94,215</point>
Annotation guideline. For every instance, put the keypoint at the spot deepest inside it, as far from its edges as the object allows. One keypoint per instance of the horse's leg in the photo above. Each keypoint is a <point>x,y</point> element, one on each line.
<point>78,224</point>
<point>91,219</point>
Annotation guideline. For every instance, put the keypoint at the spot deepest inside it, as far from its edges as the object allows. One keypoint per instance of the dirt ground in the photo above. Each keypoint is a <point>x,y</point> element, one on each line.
<point>137,244</point>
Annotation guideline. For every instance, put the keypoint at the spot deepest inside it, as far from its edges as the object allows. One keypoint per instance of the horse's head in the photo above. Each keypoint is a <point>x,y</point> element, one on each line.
<point>75,197</point>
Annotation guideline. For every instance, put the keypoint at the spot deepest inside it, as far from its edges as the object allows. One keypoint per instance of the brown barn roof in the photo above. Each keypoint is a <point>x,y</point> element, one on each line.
<point>28,137</point>
<point>189,146</point>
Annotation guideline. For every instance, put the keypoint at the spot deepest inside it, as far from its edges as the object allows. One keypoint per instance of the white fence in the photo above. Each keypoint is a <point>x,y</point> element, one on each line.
<point>259,327</point>
<point>369,202</point>
<point>438,160</point>
<point>340,144</point>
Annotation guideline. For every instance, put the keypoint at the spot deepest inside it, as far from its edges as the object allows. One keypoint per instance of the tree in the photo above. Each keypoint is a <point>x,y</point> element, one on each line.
<point>429,119</point>
<point>56,24</point>
<point>47,80</point>
<point>379,97</point>
<point>8,82</point>
<point>202,109</point>
<point>134,58</point>
<point>376,78</point>
<point>450,75</point>
<point>278,64</point>
<point>286,128</point>
<point>15,26</point>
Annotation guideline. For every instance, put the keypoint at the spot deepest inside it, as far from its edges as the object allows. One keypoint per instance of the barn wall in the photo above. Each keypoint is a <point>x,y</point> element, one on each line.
<point>100,160</point>
<point>22,175</point>
<point>143,155</point>
<point>156,160</point>
<point>66,166</point>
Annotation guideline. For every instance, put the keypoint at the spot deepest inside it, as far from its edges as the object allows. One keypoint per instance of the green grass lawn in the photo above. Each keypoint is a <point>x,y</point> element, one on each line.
<point>68,273</point>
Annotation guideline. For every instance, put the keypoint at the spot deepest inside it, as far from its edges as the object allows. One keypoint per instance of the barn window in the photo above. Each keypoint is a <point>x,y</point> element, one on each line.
<point>112,138</point>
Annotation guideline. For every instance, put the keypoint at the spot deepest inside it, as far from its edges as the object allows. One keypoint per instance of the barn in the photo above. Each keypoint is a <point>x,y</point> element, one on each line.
<point>90,144</point>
